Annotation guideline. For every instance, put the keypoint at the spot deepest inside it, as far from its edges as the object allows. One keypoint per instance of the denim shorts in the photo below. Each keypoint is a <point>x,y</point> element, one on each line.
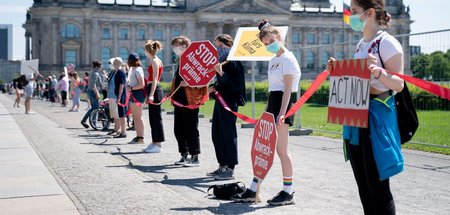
<point>138,95</point>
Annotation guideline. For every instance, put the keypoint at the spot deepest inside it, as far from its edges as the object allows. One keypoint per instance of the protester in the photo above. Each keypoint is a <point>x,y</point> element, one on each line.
<point>93,91</point>
<point>231,86</point>
<point>375,152</point>
<point>18,85</point>
<point>154,95</point>
<point>76,87</point>
<point>284,77</point>
<point>64,88</point>
<point>137,88</point>
<point>185,119</point>
<point>52,88</point>
<point>86,84</point>
<point>120,83</point>
<point>28,89</point>
<point>112,98</point>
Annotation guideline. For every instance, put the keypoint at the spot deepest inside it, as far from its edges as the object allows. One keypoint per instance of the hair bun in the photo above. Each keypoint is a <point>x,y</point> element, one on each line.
<point>263,24</point>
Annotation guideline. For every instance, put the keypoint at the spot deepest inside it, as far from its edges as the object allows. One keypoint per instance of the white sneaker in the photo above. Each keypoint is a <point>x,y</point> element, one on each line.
<point>152,148</point>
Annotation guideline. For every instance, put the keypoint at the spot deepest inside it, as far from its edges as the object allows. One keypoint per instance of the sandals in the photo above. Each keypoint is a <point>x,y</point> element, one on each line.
<point>120,135</point>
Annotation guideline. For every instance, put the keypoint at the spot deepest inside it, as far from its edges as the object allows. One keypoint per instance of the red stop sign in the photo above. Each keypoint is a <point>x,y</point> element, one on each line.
<point>196,63</point>
<point>263,146</point>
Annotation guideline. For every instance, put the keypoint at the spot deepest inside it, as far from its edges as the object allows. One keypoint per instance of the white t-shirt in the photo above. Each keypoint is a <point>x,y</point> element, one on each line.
<point>135,74</point>
<point>286,64</point>
<point>389,47</point>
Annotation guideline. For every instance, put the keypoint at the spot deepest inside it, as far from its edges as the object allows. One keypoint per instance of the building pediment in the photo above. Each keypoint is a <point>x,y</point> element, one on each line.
<point>245,6</point>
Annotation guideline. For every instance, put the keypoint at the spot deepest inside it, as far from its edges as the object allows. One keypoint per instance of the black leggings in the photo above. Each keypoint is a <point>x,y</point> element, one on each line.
<point>154,115</point>
<point>224,135</point>
<point>375,195</point>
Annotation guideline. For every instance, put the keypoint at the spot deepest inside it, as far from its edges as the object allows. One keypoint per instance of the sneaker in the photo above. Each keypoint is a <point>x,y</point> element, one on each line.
<point>84,125</point>
<point>215,172</point>
<point>152,148</point>
<point>194,161</point>
<point>225,174</point>
<point>246,197</point>
<point>282,198</point>
<point>113,133</point>
<point>71,110</point>
<point>137,140</point>
<point>182,160</point>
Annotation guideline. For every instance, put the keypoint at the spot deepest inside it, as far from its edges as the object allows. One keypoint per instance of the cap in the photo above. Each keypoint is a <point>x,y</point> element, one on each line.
<point>110,61</point>
<point>133,56</point>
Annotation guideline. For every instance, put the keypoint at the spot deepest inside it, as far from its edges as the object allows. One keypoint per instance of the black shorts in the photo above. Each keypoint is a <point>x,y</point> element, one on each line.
<point>63,95</point>
<point>274,105</point>
<point>122,111</point>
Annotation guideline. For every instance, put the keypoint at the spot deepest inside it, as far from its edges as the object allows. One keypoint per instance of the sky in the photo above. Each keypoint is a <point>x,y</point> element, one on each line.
<point>428,15</point>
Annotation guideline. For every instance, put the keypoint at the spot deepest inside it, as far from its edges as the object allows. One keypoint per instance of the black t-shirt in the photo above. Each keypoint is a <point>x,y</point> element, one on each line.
<point>120,78</point>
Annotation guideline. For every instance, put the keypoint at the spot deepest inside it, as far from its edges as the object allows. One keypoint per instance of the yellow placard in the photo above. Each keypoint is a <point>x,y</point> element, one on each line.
<point>248,47</point>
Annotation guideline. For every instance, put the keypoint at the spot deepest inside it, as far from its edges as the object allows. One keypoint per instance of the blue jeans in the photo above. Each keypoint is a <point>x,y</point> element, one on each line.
<point>94,105</point>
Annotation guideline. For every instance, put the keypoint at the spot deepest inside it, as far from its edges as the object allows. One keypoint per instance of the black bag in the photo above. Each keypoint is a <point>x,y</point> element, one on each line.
<point>406,115</point>
<point>406,112</point>
<point>226,191</point>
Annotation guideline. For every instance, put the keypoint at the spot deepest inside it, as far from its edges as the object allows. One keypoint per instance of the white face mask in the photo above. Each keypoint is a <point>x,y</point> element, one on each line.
<point>177,50</point>
<point>111,67</point>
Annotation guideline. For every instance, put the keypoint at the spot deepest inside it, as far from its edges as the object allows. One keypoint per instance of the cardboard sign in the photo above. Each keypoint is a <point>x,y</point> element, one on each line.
<point>197,63</point>
<point>28,67</point>
<point>349,94</point>
<point>248,47</point>
<point>263,147</point>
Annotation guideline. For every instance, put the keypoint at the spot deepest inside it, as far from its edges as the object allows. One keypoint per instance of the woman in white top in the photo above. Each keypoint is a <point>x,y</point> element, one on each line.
<point>137,97</point>
<point>284,77</point>
<point>375,152</point>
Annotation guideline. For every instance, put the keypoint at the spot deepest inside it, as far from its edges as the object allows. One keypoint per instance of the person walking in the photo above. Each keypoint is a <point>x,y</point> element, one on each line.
<point>76,87</point>
<point>185,119</point>
<point>137,98</point>
<point>231,86</point>
<point>154,95</point>
<point>18,85</point>
<point>284,76</point>
<point>93,91</point>
<point>375,152</point>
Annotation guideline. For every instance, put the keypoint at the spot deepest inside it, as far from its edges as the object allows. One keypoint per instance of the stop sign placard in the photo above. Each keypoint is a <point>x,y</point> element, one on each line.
<point>263,147</point>
<point>196,63</point>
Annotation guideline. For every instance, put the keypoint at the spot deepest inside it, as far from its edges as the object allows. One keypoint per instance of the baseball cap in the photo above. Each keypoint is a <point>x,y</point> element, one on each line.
<point>133,56</point>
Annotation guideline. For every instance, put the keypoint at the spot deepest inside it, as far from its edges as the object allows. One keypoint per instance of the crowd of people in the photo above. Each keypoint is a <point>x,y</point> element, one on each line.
<point>129,88</point>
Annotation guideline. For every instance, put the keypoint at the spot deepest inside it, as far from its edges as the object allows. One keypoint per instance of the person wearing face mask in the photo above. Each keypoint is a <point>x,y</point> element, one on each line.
<point>154,95</point>
<point>284,76</point>
<point>375,152</point>
<point>185,119</point>
<point>231,86</point>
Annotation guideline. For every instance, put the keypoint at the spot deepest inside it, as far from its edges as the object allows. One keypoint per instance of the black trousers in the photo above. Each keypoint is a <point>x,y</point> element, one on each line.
<point>375,195</point>
<point>186,130</point>
<point>224,135</point>
<point>154,115</point>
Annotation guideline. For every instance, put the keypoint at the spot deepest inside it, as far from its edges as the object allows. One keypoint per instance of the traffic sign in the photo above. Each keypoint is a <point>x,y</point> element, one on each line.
<point>263,147</point>
<point>197,63</point>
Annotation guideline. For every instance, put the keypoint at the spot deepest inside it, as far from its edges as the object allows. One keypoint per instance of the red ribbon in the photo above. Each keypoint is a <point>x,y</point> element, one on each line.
<point>127,99</point>
<point>165,98</point>
<point>226,107</point>
<point>308,93</point>
<point>430,87</point>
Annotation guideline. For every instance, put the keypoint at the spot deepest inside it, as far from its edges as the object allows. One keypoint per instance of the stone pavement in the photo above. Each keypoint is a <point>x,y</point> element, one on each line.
<point>106,176</point>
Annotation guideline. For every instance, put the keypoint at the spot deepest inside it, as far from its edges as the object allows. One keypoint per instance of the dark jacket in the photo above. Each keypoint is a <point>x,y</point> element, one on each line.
<point>231,85</point>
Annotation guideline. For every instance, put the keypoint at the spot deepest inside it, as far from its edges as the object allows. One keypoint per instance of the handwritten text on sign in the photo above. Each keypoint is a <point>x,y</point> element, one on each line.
<point>263,147</point>
<point>196,63</point>
<point>349,93</point>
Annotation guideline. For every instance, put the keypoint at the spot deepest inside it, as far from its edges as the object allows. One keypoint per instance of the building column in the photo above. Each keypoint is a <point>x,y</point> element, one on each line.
<point>27,45</point>
<point>87,37</point>
<point>168,36</point>
<point>133,37</point>
<point>55,38</point>
<point>115,39</point>
<point>219,28</point>
<point>303,41</point>
<point>320,49</point>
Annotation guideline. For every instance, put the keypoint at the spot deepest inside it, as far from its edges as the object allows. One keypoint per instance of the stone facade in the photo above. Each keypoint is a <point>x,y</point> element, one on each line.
<point>79,31</point>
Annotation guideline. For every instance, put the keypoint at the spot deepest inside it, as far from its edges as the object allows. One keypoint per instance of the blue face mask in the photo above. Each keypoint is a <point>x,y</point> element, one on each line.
<point>273,47</point>
<point>355,22</point>
<point>223,53</point>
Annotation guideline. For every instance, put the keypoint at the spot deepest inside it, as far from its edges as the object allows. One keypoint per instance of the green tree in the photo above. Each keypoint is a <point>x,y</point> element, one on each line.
<point>419,66</point>
<point>439,66</point>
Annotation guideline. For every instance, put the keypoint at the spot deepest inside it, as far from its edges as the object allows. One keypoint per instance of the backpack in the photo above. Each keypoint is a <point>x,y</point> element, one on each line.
<point>226,191</point>
<point>406,112</point>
